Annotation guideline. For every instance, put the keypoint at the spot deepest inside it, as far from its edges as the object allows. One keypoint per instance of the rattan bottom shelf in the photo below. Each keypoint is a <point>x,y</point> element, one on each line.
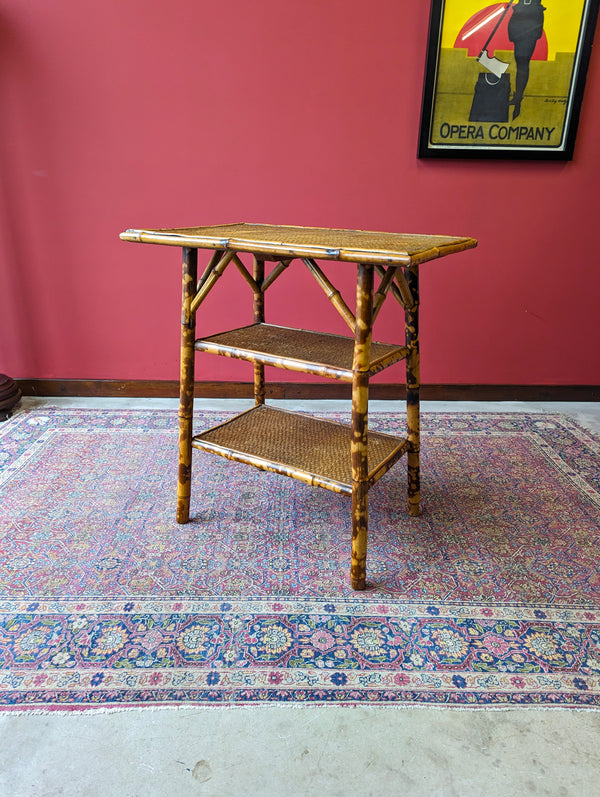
<point>309,449</point>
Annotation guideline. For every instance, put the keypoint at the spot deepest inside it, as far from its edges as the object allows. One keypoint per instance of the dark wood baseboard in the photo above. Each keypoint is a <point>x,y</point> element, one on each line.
<point>104,388</point>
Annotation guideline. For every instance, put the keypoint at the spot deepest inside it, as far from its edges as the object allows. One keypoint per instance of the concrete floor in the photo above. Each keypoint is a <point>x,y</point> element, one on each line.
<point>282,750</point>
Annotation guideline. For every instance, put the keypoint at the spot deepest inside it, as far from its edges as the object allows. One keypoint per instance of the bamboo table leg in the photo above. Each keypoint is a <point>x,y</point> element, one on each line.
<point>259,317</point>
<point>186,385</point>
<point>359,445</point>
<point>412,391</point>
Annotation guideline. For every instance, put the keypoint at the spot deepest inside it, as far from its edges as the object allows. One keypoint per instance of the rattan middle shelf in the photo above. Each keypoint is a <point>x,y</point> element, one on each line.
<point>306,448</point>
<point>316,353</point>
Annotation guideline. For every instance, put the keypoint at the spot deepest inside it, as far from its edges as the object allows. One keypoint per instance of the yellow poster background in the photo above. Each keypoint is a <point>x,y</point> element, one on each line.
<point>562,21</point>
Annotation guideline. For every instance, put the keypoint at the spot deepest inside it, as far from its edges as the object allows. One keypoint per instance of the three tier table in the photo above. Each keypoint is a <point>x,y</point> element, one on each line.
<point>345,459</point>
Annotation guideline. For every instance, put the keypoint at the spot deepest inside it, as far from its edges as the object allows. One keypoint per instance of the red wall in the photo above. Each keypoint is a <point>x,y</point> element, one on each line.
<point>133,113</point>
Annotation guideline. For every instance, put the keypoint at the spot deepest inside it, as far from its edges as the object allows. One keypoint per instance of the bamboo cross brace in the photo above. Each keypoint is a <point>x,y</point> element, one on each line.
<point>246,275</point>
<point>381,293</point>
<point>408,297</point>
<point>210,280</point>
<point>279,269</point>
<point>404,282</point>
<point>216,256</point>
<point>393,287</point>
<point>332,293</point>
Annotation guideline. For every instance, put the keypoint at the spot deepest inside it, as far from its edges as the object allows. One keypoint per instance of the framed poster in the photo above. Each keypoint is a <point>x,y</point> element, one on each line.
<point>505,80</point>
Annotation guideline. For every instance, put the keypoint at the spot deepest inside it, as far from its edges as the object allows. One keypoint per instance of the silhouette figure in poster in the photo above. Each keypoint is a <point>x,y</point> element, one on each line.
<point>525,27</point>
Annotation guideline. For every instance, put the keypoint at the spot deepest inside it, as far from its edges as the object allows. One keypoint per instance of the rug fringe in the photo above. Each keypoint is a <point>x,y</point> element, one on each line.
<point>20,711</point>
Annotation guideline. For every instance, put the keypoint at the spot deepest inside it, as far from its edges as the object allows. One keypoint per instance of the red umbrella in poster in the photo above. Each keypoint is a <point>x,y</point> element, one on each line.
<point>475,37</point>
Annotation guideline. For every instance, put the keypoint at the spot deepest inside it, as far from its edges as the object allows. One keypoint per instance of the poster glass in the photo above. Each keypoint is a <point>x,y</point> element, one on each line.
<point>505,79</point>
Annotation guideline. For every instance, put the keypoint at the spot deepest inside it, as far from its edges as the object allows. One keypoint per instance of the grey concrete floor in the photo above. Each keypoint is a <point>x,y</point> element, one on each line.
<point>282,750</point>
<point>287,752</point>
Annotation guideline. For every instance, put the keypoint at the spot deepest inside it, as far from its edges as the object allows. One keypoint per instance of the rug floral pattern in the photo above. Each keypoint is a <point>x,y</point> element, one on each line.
<point>490,597</point>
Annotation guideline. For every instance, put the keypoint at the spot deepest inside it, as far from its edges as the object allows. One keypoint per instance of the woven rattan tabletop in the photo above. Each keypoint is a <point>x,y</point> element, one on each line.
<point>356,246</point>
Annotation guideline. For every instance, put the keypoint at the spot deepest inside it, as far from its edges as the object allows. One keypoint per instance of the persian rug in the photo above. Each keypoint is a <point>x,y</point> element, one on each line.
<point>490,598</point>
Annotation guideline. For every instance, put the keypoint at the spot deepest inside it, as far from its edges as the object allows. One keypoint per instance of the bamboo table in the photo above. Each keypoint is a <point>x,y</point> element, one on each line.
<point>345,459</point>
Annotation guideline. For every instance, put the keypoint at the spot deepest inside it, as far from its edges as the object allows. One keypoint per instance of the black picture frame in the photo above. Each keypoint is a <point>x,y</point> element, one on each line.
<point>472,93</point>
